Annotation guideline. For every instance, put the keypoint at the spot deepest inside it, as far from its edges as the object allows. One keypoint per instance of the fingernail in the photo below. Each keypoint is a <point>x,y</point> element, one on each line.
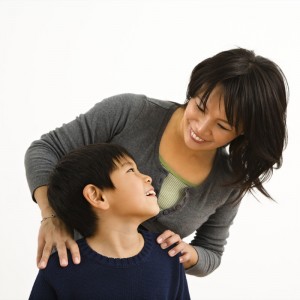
<point>172,252</point>
<point>159,240</point>
<point>164,245</point>
<point>42,264</point>
<point>63,262</point>
<point>180,259</point>
<point>76,260</point>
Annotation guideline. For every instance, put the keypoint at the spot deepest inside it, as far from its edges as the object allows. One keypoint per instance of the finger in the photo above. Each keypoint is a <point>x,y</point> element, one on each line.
<point>185,257</point>
<point>166,234</point>
<point>177,249</point>
<point>62,254</point>
<point>175,238</point>
<point>45,256</point>
<point>39,252</point>
<point>72,245</point>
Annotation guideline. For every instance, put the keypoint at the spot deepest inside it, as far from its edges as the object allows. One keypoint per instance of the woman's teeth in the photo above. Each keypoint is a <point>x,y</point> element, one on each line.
<point>196,137</point>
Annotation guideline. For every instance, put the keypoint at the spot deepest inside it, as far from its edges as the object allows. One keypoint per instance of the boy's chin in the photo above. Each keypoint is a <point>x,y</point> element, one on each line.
<point>151,215</point>
<point>154,213</point>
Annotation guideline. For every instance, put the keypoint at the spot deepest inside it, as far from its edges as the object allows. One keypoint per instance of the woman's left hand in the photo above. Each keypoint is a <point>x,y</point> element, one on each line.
<point>189,256</point>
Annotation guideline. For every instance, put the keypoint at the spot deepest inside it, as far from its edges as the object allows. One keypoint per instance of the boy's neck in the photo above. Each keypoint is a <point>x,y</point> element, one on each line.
<point>116,242</point>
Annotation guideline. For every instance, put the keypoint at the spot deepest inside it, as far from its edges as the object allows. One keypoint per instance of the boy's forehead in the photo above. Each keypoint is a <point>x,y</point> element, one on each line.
<point>123,161</point>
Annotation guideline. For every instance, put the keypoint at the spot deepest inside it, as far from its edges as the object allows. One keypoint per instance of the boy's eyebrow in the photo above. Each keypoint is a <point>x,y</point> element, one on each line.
<point>127,163</point>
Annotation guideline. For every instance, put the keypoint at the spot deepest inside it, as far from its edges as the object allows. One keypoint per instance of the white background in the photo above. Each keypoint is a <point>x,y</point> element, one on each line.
<point>58,58</point>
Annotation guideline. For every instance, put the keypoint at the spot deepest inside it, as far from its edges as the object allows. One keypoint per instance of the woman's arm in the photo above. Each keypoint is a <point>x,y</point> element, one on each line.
<point>100,124</point>
<point>204,253</point>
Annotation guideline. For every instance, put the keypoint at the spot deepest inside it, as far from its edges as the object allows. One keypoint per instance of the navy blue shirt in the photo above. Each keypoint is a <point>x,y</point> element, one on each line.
<point>150,275</point>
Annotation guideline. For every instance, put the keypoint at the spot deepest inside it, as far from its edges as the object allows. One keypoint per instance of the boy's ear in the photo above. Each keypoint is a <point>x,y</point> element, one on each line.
<point>95,196</point>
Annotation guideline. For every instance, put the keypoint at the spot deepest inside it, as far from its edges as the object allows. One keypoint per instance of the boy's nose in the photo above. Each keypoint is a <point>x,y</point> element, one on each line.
<point>148,178</point>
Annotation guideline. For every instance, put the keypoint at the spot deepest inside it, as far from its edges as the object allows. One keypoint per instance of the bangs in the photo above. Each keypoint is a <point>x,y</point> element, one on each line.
<point>119,159</point>
<point>232,100</point>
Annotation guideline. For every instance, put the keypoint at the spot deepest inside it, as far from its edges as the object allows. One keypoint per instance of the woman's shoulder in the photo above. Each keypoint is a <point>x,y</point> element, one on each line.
<point>132,101</point>
<point>222,162</point>
<point>223,174</point>
<point>222,170</point>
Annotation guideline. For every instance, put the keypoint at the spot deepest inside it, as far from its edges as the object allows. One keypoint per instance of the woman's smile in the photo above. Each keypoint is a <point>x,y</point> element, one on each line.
<point>196,138</point>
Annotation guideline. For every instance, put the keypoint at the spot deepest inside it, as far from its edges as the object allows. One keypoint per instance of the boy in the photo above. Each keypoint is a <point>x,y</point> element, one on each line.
<point>99,191</point>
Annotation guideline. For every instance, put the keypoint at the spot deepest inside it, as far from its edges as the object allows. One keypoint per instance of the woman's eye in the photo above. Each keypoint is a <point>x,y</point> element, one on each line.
<point>130,170</point>
<point>200,107</point>
<point>224,128</point>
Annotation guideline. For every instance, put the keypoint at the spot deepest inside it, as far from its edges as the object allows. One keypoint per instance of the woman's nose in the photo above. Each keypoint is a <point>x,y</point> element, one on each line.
<point>204,127</point>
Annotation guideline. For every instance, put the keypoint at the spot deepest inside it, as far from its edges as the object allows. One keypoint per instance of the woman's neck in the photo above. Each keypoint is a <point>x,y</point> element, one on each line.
<point>193,166</point>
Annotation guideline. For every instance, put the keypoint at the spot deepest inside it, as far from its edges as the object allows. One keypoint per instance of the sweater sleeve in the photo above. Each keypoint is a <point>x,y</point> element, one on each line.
<point>42,290</point>
<point>100,124</point>
<point>210,239</point>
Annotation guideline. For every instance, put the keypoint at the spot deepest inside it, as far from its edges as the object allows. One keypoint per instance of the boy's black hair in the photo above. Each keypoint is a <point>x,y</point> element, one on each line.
<point>90,164</point>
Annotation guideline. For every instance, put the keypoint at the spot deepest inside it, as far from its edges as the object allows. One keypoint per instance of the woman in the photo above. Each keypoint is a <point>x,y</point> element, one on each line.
<point>203,156</point>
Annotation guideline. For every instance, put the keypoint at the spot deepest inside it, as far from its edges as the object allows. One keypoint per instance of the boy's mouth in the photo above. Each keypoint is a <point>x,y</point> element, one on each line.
<point>151,193</point>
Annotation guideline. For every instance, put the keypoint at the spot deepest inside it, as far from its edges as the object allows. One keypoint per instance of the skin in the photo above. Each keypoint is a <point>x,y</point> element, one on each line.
<point>207,130</point>
<point>121,210</point>
<point>188,146</point>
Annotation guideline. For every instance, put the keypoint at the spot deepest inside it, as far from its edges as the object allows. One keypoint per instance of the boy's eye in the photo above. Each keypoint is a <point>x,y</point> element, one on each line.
<point>130,170</point>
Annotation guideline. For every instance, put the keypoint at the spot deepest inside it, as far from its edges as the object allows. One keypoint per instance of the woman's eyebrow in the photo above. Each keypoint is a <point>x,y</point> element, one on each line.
<point>225,121</point>
<point>222,120</point>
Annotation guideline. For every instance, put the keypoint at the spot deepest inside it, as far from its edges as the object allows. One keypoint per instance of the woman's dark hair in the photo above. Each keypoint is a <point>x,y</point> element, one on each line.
<point>255,94</point>
<point>90,164</point>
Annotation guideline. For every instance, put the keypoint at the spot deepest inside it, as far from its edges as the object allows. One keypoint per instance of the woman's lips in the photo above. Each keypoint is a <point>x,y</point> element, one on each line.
<point>195,137</point>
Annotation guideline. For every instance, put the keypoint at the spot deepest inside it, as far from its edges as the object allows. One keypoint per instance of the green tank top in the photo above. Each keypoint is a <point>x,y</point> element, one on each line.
<point>172,188</point>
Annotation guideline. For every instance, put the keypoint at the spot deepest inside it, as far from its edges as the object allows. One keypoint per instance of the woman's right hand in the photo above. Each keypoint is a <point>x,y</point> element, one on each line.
<point>54,233</point>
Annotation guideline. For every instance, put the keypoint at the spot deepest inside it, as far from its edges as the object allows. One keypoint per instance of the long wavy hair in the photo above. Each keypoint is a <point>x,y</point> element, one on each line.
<point>255,98</point>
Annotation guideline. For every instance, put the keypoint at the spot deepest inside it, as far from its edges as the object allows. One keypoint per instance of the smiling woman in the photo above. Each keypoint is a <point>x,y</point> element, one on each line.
<point>207,154</point>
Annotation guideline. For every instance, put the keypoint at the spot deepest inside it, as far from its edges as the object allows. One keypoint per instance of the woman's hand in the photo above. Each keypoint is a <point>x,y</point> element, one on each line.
<point>189,256</point>
<point>53,232</point>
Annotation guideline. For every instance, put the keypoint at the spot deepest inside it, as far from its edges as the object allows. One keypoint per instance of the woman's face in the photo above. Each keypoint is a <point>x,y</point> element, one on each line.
<point>207,129</point>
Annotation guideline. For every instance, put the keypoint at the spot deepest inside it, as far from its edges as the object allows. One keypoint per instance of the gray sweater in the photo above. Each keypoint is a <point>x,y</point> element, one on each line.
<point>137,123</point>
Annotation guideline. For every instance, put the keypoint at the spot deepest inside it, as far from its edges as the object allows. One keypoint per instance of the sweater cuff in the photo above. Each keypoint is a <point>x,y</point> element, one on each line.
<point>207,263</point>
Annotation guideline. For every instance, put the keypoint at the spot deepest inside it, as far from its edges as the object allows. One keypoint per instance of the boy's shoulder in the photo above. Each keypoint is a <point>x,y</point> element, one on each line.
<point>152,252</point>
<point>157,251</point>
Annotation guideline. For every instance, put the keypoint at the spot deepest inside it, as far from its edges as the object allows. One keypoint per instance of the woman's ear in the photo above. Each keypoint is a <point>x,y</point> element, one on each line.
<point>95,196</point>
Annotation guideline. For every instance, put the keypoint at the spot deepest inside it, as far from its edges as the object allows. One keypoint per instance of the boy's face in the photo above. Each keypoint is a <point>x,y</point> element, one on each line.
<point>133,196</point>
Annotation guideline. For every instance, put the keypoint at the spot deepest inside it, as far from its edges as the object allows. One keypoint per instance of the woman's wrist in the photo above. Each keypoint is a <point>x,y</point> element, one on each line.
<point>193,258</point>
<point>49,217</point>
<point>40,195</point>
